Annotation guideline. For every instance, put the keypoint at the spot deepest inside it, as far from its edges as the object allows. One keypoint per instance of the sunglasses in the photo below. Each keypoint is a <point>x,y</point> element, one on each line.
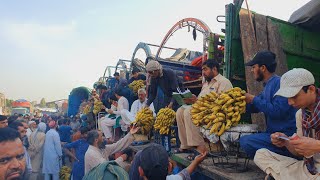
<point>152,72</point>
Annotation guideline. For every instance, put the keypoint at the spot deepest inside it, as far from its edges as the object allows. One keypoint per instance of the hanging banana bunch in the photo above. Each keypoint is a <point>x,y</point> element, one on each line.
<point>165,119</point>
<point>144,120</point>
<point>136,85</point>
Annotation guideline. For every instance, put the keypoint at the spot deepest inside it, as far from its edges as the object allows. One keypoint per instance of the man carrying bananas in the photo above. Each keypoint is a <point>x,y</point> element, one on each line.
<point>164,80</point>
<point>189,134</point>
<point>279,115</point>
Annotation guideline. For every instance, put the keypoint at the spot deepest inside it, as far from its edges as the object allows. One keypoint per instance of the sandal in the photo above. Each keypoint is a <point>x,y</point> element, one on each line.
<point>191,157</point>
<point>179,151</point>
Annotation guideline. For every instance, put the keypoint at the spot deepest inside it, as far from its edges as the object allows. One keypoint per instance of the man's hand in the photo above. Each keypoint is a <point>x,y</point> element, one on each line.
<point>110,111</point>
<point>305,146</point>
<point>191,100</point>
<point>276,141</point>
<point>134,129</point>
<point>198,159</point>
<point>124,157</point>
<point>249,98</point>
<point>170,105</point>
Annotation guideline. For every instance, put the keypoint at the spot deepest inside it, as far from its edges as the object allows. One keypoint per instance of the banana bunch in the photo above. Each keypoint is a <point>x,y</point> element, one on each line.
<point>219,112</point>
<point>144,119</point>
<point>165,119</point>
<point>86,109</point>
<point>97,106</point>
<point>65,173</point>
<point>136,85</point>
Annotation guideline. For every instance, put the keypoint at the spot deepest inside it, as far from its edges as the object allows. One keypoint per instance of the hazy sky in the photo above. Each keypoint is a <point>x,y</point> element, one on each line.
<point>50,47</point>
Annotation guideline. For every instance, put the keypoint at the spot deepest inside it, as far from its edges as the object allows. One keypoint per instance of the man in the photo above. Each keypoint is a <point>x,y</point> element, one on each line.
<point>94,156</point>
<point>298,86</point>
<point>18,126</point>
<point>161,79</point>
<point>279,115</point>
<point>65,132</point>
<point>35,150</point>
<point>108,123</point>
<point>32,127</point>
<point>137,105</point>
<point>3,121</point>
<point>75,124</point>
<point>52,153</point>
<point>12,155</point>
<point>80,146</point>
<point>154,164</point>
<point>136,75</point>
<point>189,134</point>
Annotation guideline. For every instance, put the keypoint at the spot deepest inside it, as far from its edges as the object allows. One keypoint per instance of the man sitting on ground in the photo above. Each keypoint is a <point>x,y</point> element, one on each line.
<point>137,105</point>
<point>107,123</point>
<point>279,115</point>
<point>298,86</point>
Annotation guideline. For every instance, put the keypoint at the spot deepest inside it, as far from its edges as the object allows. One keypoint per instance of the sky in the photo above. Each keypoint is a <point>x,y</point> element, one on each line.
<point>50,47</point>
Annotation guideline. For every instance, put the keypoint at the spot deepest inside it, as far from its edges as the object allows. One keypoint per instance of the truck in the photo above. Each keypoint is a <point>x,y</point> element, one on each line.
<point>21,106</point>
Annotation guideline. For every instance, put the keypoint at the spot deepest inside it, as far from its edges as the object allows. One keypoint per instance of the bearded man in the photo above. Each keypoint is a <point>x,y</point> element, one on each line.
<point>279,115</point>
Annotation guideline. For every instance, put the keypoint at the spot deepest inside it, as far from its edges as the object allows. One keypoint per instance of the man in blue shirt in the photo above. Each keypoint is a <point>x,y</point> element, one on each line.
<point>65,132</point>
<point>80,146</point>
<point>279,115</point>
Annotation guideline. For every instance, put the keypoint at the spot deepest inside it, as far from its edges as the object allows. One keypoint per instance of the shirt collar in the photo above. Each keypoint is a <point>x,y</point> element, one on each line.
<point>269,80</point>
<point>215,79</point>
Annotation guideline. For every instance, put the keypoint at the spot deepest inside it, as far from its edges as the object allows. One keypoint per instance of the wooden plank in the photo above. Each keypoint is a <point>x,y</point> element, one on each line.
<point>275,45</point>
<point>262,44</point>
<point>250,48</point>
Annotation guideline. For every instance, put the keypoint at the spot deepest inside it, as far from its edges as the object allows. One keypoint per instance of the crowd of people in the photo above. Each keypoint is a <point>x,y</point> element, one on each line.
<point>37,148</point>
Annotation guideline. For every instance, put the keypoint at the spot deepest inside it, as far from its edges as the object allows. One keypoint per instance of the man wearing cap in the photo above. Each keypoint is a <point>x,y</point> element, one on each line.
<point>161,79</point>
<point>153,163</point>
<point>279,115</point>
<point>136,75</point>
<point>3,121</point>
<point>298,85</point>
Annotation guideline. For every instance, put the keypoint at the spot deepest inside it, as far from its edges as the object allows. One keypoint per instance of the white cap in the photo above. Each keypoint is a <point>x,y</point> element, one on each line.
<point>292,82</point>
<point>31,122</point>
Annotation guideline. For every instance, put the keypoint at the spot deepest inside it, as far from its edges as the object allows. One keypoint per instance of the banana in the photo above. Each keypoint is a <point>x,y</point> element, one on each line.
<point>165,119</point>
<point>215,127</point>
<point>145,120</point>
<point>222,129</point>
<point>242,104</point>
<point>218,119</point>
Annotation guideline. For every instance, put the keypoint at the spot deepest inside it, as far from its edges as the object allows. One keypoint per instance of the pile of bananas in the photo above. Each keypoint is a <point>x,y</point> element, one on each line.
<point>165,119</point>
<point>65,173</point>
<point>97,106</point>
<point>144,120</point>
<point>219,112</point>
<point>136,85</point>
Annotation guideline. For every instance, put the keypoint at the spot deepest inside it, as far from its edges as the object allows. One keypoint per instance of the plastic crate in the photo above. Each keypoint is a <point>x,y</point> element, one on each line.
<point>165,140</point>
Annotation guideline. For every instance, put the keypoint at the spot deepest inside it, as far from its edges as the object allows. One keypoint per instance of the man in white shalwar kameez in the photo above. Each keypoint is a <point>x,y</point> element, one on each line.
<point>52,153</point>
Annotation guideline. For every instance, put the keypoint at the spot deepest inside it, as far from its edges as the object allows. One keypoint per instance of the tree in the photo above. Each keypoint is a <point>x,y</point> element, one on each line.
<point>43,103</point>
<point>9,103</point>
<point>52,105</point>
